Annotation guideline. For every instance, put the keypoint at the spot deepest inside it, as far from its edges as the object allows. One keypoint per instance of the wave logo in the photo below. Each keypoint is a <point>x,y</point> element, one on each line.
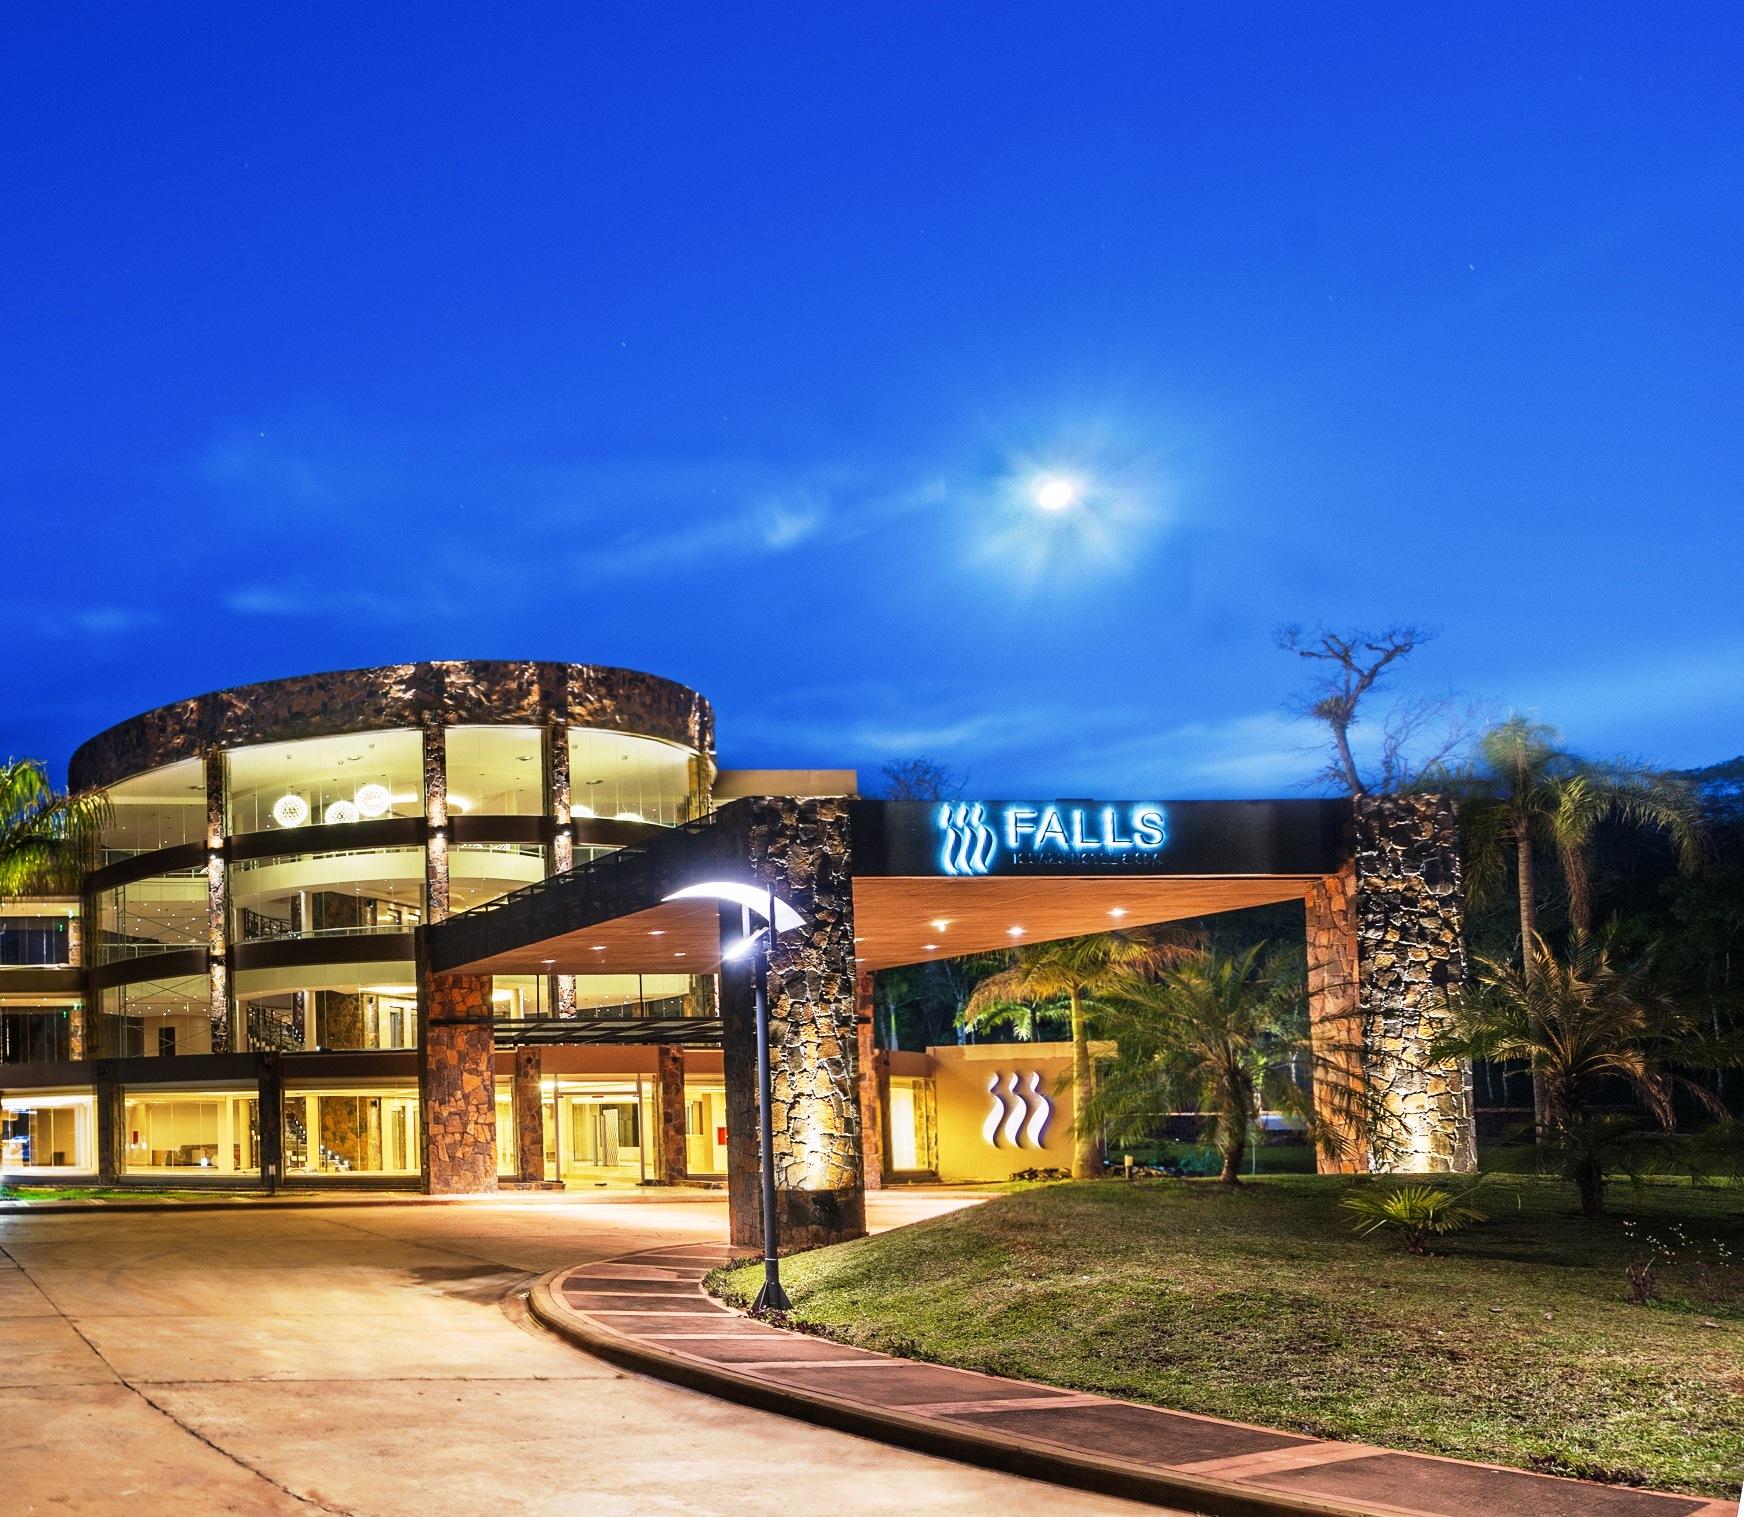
<point>968,842</point>
<point>1018,1113</point>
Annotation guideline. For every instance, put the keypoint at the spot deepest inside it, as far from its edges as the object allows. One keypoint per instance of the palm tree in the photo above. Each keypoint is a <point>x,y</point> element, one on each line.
<point>1527,792</point>
<point>1218,1032</point>
<point>47,838</point>
<point>1076,972</point>
<point>1581,1020</point>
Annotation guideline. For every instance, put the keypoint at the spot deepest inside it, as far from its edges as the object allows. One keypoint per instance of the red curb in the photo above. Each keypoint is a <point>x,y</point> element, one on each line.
<point>1104,1474</point>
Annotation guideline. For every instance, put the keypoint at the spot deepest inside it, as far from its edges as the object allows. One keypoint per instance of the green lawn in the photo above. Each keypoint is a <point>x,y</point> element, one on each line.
<point>1516,1344</point>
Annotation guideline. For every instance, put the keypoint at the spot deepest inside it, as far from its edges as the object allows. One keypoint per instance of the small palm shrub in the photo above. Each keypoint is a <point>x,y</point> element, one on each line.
<point>1413,1213</point>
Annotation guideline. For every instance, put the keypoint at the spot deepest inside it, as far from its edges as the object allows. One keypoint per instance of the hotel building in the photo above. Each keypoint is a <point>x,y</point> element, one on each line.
<point>409,926</point>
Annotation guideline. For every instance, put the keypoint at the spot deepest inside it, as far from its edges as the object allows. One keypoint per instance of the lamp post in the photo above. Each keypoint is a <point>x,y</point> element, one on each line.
<point>778,917</point>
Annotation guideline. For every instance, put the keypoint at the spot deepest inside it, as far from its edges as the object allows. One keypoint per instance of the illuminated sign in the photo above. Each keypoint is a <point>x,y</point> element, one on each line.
<point>973,835</point>
<point>1016,1117</point>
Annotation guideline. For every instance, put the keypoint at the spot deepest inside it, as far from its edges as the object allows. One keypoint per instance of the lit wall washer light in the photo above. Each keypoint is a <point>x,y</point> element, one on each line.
<point>338,812</point>
<point>373,800</point>
<point>290,811</point>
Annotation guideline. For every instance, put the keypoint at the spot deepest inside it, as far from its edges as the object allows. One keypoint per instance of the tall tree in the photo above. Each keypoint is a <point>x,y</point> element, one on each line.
<point>47,838</point>
<point>1221,1033</point>
<point>1072,973</point>
<point>1527,793</point>
<point>1350,669</point>
<point>1581,1019</point>
<point>922,779</point>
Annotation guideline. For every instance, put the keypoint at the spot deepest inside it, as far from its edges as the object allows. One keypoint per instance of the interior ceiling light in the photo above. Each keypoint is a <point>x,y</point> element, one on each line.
<point>599,947</point>
<point>373,800</point>
<point>339,811</point>
<point>656,932</point>
<point>575,811</point>
<point>1117,911</point>
<point>681,954</point>
<point>929,946</point>
<point>941,923</point>
<point>1014,932</point>
<point>290,811</point>
<point>629,816</point>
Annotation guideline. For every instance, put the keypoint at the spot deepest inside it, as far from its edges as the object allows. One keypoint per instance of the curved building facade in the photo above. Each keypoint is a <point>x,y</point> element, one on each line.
<point>249,937</point>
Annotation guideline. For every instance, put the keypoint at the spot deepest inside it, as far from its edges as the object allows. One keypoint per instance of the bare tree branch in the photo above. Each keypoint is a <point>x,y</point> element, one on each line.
<point>922,779</point>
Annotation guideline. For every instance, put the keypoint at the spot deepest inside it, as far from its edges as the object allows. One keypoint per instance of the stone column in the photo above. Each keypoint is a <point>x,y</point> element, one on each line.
<point>872,1095</point>
<point>217,906</point>
<point>436,821</point>
<point>1335,1029</point>
<point>457,1082</point>
<point>529,1098</point>
<point>560,858</point>
<point>803,849</point>
<point>1409,919</point>
<point>111,1133</point>
<point>674,1162</point>
<point>271,1092</point>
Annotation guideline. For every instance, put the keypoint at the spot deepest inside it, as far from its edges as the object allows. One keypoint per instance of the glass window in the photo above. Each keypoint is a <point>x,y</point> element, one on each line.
<point>162,809</point>
<point>325,780</point>
<point>480,872</point>
<point>351,1132</point>
<point>632,995</point>
<point>705,1129</point>
<point>910,1126</point>
<point>47,1131</point>
<point>156,1019</point>
<point>495,771</point>
<point>631,779</point>
<point>507,1160</point>
<point>35,940</point>
<point>327,894</point>
<point>35,1034</point>
<point>345,1008</point>
<point>519,995</point>
<point>192,1130</point>
<point>150,916</point>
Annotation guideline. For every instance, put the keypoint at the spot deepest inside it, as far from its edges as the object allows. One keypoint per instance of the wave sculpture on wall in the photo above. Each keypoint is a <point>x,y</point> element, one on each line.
<point>1017,1112</point>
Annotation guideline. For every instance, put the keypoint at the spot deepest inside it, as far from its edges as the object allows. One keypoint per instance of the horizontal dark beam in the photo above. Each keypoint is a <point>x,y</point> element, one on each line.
<point>549,1032</point>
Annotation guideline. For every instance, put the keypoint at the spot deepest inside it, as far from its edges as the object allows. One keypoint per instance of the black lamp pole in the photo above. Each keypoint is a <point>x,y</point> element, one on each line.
<point>772,1297</point>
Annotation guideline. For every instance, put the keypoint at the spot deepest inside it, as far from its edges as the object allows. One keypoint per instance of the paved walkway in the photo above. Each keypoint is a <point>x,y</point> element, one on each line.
<point>649,1309</point>
<point>377,1360</point>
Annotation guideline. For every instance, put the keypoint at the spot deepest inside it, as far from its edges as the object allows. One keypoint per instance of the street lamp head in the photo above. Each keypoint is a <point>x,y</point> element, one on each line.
<point>754,898</point>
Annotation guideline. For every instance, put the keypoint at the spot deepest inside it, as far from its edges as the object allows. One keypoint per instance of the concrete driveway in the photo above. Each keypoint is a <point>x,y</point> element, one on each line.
<point>377,1359</point>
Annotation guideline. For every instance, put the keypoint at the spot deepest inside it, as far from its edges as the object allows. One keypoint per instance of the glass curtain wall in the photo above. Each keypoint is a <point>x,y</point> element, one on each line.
<point>155,1019</point>
<point>171,1131</point>
<point>149,916</point>
<point>41,940</point>
<point>325,780</point>
<point>327,895</point>
<point>161,809</point>
<point>48,1132</point>
<point>32,1032</point>
<point>345,1008</point>
<point>351,1132</point>
<point>630,779</point>
<point>495,771</point>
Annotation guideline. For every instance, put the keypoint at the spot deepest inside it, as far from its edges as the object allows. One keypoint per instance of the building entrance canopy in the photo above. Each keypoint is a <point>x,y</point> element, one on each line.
<point>993,873</point>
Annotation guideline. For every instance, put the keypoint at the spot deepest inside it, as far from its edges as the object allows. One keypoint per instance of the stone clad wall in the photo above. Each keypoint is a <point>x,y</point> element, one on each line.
<point>1409,910</point>
<point>802,848</point>
<point>457,1081</point>
<point>396,696</point>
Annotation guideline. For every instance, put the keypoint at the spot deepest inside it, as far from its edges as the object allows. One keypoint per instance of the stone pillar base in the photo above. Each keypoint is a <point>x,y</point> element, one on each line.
<point>457,1084</point>
<point>803,1219</point>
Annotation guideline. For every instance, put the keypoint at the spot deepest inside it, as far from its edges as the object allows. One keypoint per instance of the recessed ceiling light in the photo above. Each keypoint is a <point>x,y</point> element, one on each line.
<point>599,947</point>
<point>941,923</point>
<point>929,946</point>
<point>681,954</point>
<point>1014,932</point>
<point>548,961</point>
<point>656,932</point>
<point>1117,911</point>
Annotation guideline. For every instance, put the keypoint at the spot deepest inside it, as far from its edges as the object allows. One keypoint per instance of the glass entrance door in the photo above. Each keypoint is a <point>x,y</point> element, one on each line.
<point>600,1137</point>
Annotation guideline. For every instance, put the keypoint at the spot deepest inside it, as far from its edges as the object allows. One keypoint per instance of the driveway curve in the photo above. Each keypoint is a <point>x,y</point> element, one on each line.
<point>368,1359</point>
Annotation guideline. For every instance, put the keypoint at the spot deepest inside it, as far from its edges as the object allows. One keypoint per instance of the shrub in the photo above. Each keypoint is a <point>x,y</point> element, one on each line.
<point>1415,1213</point>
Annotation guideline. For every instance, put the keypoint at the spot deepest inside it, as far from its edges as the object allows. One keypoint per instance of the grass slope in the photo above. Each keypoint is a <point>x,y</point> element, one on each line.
<point>1517,1344</point>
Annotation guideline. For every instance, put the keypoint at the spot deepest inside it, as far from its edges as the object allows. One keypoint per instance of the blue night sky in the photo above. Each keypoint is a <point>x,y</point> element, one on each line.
<point>724,341</point>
